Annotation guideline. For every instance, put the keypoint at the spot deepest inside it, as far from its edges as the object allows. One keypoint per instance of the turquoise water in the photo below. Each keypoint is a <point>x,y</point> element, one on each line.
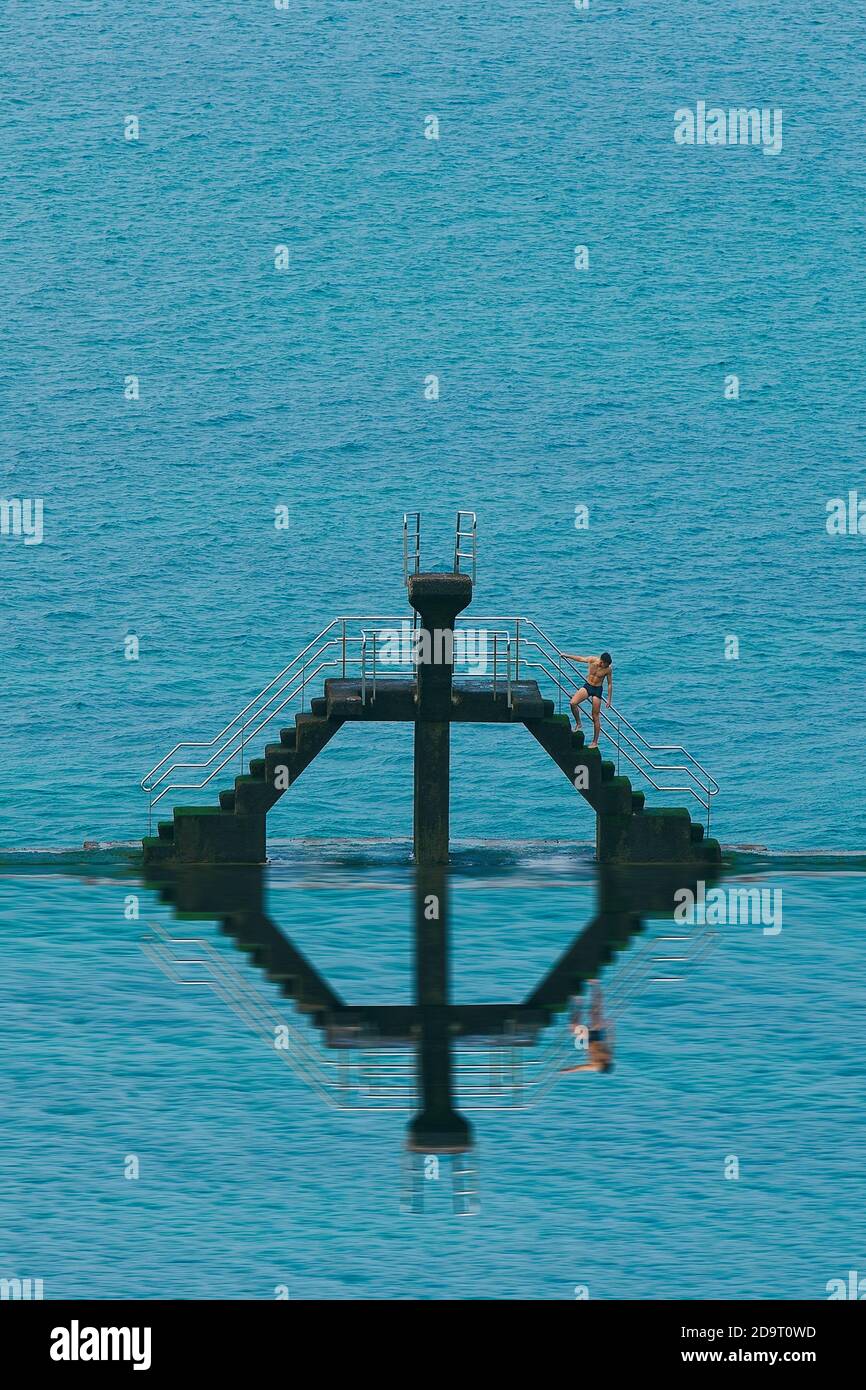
<point>248,1180</point>
<point>559,387</point>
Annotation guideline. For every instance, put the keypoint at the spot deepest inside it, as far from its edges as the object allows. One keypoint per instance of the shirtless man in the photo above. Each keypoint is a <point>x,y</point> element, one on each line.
<point>597,1039</point>
<point>593,687</point>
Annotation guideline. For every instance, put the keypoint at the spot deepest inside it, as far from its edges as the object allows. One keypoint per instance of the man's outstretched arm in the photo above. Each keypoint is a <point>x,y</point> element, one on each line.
<point>610,688</point>
<point>572,656</point>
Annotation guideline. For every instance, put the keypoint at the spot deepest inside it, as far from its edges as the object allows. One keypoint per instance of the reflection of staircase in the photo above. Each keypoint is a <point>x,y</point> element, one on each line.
<point>483,1036</point>
<point>364,1057</point>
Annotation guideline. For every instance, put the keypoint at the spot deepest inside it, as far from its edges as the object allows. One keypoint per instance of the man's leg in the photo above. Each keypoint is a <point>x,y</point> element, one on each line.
<point>596,720</point>
<point>596,1014</point>
<point>577,699</point>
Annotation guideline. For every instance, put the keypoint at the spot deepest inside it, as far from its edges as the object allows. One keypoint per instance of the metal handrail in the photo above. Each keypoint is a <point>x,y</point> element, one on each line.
<point>292,680</point>
<point>642,761</point>
<point>460,533</point>
<point>366,635</point>
<point>351,641</point>
<point>415,554</point>
<point>186,743</point>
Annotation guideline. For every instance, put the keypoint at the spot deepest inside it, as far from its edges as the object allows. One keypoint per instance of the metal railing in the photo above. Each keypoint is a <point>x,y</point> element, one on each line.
<point>466,533</point>
<point>411,545</point>
<point>334,650</point>
<point>538,656</point>
<point>501,649</point>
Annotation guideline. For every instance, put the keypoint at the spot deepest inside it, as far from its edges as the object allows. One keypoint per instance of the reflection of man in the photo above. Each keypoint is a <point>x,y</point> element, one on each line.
<point>597,1039</point>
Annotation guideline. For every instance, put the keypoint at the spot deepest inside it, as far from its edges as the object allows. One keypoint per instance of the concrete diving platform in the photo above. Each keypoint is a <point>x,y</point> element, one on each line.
<point>474,700</point>
<point>432,697</point>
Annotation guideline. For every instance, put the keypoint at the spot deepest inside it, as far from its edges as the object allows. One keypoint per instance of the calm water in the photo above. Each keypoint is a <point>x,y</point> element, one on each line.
<point>305,389</point>
<point>250,1180</point>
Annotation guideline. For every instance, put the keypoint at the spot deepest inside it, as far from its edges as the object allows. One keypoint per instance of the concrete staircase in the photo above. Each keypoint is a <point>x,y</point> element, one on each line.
<point>234,831</point>
<point>626,832</point>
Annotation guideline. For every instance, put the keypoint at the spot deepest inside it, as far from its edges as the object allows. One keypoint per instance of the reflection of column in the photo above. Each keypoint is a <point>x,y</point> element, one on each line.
<point>437,598</point>
<point>437,1128</point>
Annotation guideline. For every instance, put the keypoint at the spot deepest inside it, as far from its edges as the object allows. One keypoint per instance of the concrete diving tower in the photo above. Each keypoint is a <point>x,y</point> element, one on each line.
<point>432,698</point>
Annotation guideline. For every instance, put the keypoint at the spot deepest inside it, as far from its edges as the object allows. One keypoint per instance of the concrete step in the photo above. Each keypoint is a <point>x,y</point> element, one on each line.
<point>312,733</point>
<point>155,850</point>
<point>211,835</point>
<point>254,795</point>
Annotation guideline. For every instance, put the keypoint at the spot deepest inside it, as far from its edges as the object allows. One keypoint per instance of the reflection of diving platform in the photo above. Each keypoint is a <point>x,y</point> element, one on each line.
<point>433,1058</point>
<point>433,670</point>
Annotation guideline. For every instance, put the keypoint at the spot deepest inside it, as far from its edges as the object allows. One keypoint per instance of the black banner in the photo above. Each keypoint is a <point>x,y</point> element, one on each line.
<point>169,1337</point>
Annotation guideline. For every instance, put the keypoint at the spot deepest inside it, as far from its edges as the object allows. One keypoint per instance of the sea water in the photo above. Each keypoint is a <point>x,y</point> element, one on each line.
<point>167,390</point>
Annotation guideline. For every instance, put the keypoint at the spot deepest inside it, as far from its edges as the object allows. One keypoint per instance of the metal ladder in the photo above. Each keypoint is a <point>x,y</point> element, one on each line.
<point>466,533</point>
<point>465,544</point>
<point>411,545</point>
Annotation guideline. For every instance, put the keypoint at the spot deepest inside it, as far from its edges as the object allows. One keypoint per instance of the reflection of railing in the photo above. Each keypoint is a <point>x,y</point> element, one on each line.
<point>502,649</point>
<point>361,1076</point>
<point>509,1071</point>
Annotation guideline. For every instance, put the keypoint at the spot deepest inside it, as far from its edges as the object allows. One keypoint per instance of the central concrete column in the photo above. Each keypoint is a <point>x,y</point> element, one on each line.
<point>437,599</point>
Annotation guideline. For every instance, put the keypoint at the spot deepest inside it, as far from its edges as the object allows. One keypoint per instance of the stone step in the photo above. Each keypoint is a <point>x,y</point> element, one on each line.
<point>155,850</point>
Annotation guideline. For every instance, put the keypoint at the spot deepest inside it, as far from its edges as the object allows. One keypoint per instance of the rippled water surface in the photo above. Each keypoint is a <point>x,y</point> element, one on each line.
<point>558,387</point>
